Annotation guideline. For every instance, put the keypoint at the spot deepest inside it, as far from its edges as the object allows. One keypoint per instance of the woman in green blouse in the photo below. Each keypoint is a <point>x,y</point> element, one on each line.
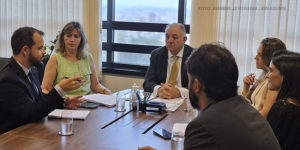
<point>72,59</point>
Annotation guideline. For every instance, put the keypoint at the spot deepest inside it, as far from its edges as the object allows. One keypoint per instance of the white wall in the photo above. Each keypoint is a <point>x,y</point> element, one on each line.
<point>120,82</point>
<point>203,23</point>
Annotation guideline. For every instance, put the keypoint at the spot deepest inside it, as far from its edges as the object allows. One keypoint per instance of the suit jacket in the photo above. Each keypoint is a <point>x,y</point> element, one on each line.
<point>157,71</point>
<point>231,124</point>
<point>3,61</point>
<point>19,103</point>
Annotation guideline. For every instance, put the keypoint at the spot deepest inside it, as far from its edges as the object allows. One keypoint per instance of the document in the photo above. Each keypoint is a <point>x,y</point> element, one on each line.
<point>107,100</point>
<point>171,104</point>
<point>179,128</point>
<point>77,114</point>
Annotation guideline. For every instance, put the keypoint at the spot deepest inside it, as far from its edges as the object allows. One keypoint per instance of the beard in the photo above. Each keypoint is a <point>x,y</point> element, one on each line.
<point>35,62</point>
<point>193,97</point>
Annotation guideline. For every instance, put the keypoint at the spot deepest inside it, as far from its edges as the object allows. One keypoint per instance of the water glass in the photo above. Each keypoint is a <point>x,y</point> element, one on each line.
<point>177,141</point>
<point>66,123</point>
<point>190,112</point>
<point>133,104</point>
<point>120,103</point>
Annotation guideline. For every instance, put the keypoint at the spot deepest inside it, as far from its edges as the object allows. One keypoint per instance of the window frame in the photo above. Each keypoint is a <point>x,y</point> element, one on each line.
<point>110,25</point>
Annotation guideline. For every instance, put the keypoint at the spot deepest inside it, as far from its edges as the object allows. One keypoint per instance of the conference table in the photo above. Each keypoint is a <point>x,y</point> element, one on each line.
<point>103,129</point>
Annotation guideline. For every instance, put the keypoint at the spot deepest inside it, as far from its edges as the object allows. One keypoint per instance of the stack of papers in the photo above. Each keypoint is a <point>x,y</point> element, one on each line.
<point>179,128</point>
<point>171,104</point>
<point>107,100</point>
<point>77,114</point>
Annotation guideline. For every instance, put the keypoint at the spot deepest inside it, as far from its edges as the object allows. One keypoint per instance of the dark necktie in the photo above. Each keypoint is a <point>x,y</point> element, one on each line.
<point>33,82</point>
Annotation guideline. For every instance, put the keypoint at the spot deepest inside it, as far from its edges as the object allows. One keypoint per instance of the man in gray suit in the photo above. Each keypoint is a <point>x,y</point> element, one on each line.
<point>226,120</point>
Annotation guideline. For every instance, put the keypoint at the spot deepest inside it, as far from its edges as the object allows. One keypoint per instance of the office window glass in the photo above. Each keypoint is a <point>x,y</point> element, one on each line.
<point>154,11</point>
<point>188,39</point>
<point>133,58</point>
<point>133,28</point>
<point>104,10</point>
<point>188,6</point>
<point>104,35</point>
<point>104,52</point>
<point>139,37</point>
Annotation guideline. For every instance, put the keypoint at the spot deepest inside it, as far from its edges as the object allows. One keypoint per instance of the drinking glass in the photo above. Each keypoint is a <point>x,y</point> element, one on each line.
<point>120,102</point>
<point>177,141</point>
<point>66,123</point>
<point>190,112</point>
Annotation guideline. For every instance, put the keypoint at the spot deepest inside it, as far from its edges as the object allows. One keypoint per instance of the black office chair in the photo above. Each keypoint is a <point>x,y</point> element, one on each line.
<point>3,61</point>
<point>40,70</point>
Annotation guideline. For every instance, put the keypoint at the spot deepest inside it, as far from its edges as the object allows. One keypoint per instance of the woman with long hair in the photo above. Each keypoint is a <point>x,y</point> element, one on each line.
<point>255,90</point>
<point>72,59</point>
<point>284,116</point>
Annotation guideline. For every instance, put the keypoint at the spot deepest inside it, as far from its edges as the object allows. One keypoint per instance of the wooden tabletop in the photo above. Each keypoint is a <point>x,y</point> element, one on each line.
<point>103,129</point>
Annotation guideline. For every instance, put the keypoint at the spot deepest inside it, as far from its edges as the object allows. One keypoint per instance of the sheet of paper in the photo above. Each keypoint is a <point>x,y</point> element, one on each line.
<point>171,104</point>
<point>179,128</point>
<point>107,100</point>
<point>77,114</point>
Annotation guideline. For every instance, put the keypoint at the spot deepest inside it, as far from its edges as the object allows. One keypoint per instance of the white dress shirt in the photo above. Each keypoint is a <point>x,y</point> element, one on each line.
<point>183,91</point>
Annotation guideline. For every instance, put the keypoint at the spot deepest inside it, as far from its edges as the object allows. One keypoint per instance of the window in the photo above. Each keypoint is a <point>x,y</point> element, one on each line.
<point>133,28</point>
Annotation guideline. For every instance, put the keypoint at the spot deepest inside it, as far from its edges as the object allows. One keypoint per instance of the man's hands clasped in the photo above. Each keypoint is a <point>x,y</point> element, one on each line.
<point>168,92</point>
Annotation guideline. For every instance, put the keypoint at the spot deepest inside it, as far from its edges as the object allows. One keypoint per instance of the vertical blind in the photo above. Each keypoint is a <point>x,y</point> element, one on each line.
<point>47,15</point>
<point>244,23</point>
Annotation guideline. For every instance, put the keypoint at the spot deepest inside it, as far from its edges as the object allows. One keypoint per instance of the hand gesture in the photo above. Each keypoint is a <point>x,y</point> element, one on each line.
<point>72,83</point>
<point>73,103</point>
<point>249,79</point>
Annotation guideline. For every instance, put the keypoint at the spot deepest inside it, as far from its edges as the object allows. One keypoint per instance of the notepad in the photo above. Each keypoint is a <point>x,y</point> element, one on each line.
<point>179,128</point>
<point>77,114</point>
<point>171,104</point>
<point>107,100</point>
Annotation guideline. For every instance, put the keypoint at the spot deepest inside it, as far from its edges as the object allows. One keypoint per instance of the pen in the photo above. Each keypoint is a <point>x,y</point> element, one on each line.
<point>69,77</point>
<point>138,96</point>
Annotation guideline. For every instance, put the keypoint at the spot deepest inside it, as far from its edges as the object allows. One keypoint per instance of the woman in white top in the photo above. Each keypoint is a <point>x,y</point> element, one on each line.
<point>256,89</point>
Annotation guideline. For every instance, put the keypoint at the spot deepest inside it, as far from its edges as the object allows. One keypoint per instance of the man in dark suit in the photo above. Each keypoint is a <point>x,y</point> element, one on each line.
<point>226,121</point>
<point>21,97</point>
<point>163,78</point>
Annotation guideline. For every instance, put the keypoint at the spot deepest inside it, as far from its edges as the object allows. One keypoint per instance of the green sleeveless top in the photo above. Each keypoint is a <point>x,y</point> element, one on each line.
<point>66,68</point>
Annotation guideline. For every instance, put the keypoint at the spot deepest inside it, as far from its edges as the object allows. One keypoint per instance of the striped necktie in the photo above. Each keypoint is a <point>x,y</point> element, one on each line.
<point>174,72</point>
